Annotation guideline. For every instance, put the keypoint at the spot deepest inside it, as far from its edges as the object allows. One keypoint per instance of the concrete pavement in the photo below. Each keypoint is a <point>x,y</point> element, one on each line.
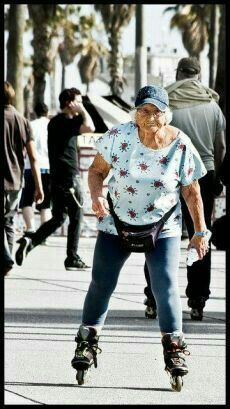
<point>43,305</point>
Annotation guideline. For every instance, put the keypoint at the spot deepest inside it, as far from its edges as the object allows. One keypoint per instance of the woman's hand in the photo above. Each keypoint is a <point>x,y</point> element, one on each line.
<point>200,244</point>
<point>100,206</point>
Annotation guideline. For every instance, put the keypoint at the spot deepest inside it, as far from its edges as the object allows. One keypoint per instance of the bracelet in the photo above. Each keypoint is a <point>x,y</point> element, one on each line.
<point>200,233</point>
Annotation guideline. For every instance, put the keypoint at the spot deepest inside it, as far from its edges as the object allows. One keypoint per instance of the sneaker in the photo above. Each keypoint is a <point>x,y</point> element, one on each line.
<point>197,306</point>
<point>7,269</point>
<point>23,250</point>
<point>26,234</point>
<point>75,264</point>
<point>196,314</point>
<point>44,242</point>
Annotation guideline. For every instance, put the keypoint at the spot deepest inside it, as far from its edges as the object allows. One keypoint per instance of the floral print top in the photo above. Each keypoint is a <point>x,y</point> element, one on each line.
<point>145,182</point>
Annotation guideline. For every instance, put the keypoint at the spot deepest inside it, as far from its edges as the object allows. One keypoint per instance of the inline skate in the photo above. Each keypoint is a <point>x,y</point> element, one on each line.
<point>86,352</point>
<point>173,348</point>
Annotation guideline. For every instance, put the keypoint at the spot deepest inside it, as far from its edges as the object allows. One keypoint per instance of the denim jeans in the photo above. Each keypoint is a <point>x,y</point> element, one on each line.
<point>163,264</point>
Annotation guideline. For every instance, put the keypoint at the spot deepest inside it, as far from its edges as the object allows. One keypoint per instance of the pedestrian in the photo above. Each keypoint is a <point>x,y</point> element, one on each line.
<point>18,140</point>
<point>219,239</point>
<point>66,190</point>
<point>151,162</point>
<point>40,133</point>
<point>197,113</point>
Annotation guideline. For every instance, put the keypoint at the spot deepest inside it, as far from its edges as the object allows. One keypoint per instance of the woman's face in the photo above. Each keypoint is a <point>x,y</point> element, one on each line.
<point>149,117</point>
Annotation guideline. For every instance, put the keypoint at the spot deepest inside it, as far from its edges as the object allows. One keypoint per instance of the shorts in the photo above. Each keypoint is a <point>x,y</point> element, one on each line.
<point>27,196</point>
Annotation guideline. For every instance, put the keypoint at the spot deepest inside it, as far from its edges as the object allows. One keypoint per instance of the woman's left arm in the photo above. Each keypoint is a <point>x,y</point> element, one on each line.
<point>193,199</point>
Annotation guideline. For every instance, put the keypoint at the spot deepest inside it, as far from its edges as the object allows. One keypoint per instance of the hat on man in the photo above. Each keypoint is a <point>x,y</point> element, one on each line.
<point>153,94</point>
<point>190,65</point>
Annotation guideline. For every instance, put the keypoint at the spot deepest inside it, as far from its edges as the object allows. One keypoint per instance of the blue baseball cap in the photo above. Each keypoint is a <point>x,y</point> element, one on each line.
<point>153,94</point>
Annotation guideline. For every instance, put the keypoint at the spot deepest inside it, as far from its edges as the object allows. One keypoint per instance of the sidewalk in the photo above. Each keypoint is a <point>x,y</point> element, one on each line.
<point>43,305</point>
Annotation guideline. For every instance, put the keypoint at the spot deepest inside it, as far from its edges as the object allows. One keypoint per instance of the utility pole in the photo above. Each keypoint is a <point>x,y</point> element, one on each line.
<point>141,50</point>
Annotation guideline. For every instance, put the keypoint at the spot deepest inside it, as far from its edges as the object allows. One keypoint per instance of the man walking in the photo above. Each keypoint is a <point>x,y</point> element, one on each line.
<point>40,132</point>
<point>197,113</point>
<point>18,140</point>
<point>66,191</point>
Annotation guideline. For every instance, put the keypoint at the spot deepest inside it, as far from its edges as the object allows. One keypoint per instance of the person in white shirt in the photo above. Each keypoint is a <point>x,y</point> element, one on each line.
<point>39,129</point>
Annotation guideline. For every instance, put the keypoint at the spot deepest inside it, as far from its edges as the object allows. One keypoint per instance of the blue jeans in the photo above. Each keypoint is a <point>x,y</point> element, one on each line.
<point>163,264</point>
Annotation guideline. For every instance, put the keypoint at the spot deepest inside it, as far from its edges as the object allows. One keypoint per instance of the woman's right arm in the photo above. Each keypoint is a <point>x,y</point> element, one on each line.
<point>98,172</point>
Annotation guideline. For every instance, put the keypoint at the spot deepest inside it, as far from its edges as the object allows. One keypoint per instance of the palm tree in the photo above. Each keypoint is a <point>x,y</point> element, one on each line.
<point>69,47</point>
<point>16,25</point>
<point>115,18</point>
<point>42,17</point>
<point>199,24</point>
<point>89,64</point>
<point>91,52</point>
<point>191,20</point>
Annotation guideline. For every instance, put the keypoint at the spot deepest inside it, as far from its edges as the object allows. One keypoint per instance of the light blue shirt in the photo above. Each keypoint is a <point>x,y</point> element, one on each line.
<point>145,182</point>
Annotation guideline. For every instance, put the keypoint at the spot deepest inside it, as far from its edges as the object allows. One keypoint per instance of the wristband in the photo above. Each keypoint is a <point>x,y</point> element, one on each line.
<point>200,233</point>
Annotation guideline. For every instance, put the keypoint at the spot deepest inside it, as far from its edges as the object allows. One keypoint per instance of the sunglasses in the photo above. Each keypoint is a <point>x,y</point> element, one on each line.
<point>146,111</point>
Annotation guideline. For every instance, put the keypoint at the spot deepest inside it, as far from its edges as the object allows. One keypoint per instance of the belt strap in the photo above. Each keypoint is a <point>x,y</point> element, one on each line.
<point>117,220</point>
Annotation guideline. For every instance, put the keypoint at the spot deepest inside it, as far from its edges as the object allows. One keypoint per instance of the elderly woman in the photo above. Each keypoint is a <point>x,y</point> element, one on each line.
<point>151,163</point>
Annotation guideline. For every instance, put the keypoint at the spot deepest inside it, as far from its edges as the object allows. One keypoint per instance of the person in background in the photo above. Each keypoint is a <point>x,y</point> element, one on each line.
<point>40,133</point>
<point>197,113</point>
<point>66,189</point>
<point>18,140</point>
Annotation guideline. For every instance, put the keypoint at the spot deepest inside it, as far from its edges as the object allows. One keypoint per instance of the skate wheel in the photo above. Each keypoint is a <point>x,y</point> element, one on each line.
<point>176,383</point>
<point>80,376</point>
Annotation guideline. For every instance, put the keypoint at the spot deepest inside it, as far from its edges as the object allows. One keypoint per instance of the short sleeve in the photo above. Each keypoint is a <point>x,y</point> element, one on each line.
<point>192,167</point>
<point>220,120</point>
<point>29,131</point>
<point>105,143</point>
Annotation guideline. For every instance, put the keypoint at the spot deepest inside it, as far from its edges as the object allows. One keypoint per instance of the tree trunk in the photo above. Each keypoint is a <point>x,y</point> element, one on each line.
<point>40,43</point>
<point>53,106</point>
<point>116,63</point>
<point>15,52</point>
<point>41,16</point>
<point>28,98</point>
<point>63,77</point>
<point>221,68</point>
<point>213,44</point>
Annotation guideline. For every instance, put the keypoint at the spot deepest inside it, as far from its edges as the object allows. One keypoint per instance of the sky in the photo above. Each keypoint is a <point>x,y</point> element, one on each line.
<point>157,31</point>
<point>158,36</point>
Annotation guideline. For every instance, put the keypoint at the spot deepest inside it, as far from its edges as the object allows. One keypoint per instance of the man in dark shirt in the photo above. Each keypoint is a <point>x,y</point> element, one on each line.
<point>18,140</point>
<point>66,191</point>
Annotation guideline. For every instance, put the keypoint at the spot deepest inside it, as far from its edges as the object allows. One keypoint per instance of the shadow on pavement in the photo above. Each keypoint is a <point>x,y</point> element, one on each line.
<point>213,322</point>
<point>71,385</point>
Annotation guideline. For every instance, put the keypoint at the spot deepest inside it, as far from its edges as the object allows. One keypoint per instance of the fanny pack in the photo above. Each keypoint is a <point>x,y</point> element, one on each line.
<point>138,239</point>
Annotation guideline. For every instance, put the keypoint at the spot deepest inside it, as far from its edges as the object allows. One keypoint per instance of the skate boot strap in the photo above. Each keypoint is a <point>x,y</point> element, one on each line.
<point>175,351</point>
<point>84,346</point>
<point>175,347</point>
